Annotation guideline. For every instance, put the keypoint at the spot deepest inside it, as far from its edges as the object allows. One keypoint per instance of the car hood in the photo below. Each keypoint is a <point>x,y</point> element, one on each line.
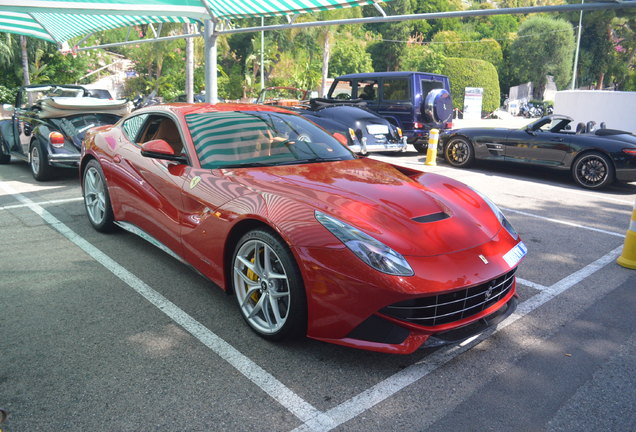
<point>416,214</point>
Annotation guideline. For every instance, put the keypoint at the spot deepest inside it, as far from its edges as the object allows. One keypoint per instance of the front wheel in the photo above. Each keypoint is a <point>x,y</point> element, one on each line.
<point>593,170</point>
<point>268,286</point>
<point>459,152</point>
<point>40,167</point>
<point>96,198</point>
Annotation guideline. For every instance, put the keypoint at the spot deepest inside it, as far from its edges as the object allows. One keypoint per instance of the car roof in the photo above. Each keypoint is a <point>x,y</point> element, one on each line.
<point>387,74</point>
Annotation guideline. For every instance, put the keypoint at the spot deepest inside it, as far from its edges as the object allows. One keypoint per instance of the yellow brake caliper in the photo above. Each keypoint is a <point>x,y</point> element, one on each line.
<point>252,276</point>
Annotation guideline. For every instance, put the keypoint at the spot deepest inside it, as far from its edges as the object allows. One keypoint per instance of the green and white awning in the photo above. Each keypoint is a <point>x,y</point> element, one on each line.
<point>61,20</point>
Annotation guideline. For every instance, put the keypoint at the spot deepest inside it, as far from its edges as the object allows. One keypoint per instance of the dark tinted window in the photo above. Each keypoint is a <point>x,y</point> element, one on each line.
<point>428,85</point>
<point>396,89</point>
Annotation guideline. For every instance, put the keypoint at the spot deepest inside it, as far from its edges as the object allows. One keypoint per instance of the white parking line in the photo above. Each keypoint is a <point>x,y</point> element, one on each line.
<point>367,399</point>
<point>267,382</point>
<point>612,233</point>
<point>41,203</point>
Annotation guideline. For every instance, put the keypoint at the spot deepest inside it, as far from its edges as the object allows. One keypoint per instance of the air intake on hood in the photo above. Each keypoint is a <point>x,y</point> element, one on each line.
<point>434,217</point>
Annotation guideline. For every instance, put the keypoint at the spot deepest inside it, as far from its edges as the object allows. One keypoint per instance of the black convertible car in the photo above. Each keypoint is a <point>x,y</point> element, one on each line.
<point>48,124</point>
<point>595,157</point>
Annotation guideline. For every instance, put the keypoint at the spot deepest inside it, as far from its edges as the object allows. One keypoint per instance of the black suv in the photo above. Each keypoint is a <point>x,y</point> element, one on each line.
<point>414,101</point>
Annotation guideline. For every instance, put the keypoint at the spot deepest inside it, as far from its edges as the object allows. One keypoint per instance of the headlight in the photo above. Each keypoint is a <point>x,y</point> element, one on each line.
<point>502,219</point>
<point>371,251</point>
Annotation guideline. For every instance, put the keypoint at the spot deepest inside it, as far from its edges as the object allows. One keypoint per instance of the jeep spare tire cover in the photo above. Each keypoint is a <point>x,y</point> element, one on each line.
<point>438,106</point>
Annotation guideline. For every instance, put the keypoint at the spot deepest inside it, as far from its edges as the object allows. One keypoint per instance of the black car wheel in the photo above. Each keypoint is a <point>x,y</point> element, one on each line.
<point>5,158</point>
<point>593,170</point>
<point>40,167</point>
<point>459,152</point>
<point>96,198</point>
<point>420,147</point>
<point>268,286</point>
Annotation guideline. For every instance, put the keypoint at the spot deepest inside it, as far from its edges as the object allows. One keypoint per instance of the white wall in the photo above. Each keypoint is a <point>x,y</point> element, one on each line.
<point>616,109</point>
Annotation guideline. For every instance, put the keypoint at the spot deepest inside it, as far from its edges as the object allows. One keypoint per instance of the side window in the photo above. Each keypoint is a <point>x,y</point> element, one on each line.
<point>164,128</point>
<point>342,90</point>
<point>396,89</point>
<point>368,90</point>
<point>132,126</point>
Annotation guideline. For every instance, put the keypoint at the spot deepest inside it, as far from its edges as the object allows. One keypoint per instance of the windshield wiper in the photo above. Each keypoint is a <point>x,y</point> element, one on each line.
<point>312,160</point>
<point>246,165</point>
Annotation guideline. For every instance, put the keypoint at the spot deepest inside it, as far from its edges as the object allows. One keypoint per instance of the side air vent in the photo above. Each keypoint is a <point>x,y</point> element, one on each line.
<point>434,217</point>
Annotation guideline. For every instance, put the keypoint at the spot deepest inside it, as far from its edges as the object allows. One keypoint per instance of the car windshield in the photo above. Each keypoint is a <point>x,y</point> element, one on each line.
<point>260,138</point>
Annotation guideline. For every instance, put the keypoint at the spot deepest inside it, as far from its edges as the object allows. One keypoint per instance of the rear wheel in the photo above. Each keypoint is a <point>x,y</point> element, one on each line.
<point>96,198</point>
<point>268,286</point>
<point>459,152</point>
<point>420,147</point>
<point>593,170</point>
<point>40,167</point>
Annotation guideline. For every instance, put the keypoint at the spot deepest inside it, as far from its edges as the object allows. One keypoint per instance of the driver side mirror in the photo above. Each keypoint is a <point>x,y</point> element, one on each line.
<point>160,149</point>
<point>341,138</point>
<point>531,131</point>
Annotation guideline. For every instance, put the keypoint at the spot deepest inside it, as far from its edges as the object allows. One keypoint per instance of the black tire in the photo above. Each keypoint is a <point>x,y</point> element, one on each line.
<point>97,198</point>
<point>459,152</point>
<point>259,290</point>
<point>593,170</point>
<point>420,147</point>
<point>39,163</point>
<point>4,158</point>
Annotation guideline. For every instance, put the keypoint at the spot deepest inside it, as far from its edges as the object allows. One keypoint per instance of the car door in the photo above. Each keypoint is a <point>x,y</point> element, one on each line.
<point>539,147</point>
<point>151,196</point>
<point>395,101</point>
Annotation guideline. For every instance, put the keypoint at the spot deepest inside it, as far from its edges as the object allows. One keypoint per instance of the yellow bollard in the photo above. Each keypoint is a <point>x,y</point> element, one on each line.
<point>431,152</point>
<point>628,257</point>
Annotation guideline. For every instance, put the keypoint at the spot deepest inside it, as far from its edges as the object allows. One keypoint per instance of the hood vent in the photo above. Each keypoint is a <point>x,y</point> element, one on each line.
<point>433,217</point>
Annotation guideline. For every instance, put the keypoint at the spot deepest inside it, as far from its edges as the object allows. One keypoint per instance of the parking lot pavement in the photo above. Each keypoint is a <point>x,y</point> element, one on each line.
<point>106,332</point>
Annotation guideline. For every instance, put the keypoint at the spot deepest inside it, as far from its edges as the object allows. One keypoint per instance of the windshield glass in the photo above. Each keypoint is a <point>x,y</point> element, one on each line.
<point>263,138</point>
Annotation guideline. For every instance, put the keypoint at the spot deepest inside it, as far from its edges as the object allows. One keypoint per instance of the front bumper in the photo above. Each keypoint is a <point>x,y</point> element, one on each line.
<point>347,299</point>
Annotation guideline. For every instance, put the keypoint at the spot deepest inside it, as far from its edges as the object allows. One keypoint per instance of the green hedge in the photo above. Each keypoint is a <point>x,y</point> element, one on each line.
<point>7,95</point>
<point>466,72</point>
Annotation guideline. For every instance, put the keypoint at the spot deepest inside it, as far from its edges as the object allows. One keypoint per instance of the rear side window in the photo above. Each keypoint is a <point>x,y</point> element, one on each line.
<point>132,126</point>
<point>396,89</point>
<point>428,85</point>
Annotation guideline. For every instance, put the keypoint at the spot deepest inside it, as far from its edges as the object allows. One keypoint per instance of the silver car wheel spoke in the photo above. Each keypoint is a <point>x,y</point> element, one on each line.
<point>261,286</point>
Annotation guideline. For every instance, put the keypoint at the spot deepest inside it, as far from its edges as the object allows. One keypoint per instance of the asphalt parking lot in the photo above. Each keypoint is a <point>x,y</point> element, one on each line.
<point>108,333</point>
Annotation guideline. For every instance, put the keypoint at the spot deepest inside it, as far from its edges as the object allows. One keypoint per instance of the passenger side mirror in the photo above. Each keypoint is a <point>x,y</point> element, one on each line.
<point>160,149</point>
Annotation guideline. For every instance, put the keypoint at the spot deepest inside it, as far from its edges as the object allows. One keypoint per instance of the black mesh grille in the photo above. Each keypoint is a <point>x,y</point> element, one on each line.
<point>450,307</point>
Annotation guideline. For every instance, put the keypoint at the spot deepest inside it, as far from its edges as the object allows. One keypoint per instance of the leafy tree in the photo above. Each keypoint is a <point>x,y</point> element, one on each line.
<point>454,44</point>
<point>349,56</point>
<point>422,58</point>
<point>464,73</point>
<point>545,46</point>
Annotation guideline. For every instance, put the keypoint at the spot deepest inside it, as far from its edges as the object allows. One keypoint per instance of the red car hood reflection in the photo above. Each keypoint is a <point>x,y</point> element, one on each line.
<point>383,202</point>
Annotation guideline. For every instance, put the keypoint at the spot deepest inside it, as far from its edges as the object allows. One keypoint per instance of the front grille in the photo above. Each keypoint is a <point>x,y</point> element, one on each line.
<point>451,307</point>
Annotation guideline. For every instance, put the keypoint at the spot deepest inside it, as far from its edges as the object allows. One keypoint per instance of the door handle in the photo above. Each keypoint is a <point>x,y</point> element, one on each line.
<point>557,140</point>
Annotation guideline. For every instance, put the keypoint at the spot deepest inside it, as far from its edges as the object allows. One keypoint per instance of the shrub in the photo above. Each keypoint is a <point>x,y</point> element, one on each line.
<point>465,72</point>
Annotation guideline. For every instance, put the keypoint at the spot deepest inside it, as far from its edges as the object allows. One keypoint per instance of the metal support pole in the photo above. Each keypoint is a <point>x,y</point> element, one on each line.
<point>576,52</point>
<point>189,72</point>
<point>262,54</point>
<point>211,81</point>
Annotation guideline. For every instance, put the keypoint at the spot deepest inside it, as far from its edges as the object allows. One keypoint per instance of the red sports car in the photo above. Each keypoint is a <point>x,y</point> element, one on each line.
<point>310,238</point>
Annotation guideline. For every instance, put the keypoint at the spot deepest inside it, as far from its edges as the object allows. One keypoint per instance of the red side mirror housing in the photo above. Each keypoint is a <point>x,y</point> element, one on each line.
<point>160,149</point>
<point>341,138</point>
<point>157,147</point>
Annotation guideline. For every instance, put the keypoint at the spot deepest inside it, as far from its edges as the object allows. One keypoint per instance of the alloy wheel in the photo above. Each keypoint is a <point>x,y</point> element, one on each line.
<point>262,287</point>
<point>94,195</point>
